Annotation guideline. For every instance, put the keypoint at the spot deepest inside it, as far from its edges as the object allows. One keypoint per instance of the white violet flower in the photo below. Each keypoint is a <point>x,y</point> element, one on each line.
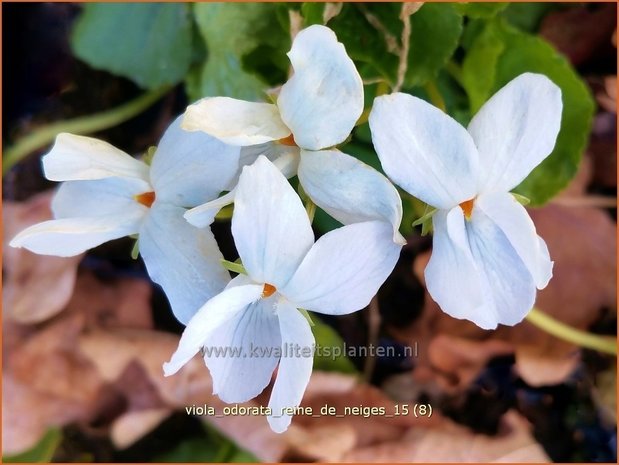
<point>107,194</point>
<point>487,259</point>
<point>316,109</point>
<point>286,271</point>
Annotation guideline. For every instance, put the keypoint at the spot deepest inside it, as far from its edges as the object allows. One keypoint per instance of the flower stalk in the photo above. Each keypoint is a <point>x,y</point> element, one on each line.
<point>83,125</point>
<point>546,323</point>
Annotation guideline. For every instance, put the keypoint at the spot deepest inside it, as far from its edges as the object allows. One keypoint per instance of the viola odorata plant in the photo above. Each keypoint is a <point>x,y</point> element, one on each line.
<point>107,194</point>
<point>315,111</point>
<point>263,312</point>
<point>487,259</point>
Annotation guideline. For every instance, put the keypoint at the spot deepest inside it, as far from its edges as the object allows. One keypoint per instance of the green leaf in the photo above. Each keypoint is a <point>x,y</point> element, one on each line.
<point>42,452</point>
<point>477,10</point>
<point>364,44</point>
<point>149,43</point>
<point>500,53</point>
<point>364,153</point>
<point>213,447</point>
<point>241,39</point>
<point>333,356</point>
<point>435,33</point>
<point>527,16</point>
<point>307,316</point>
<point>325,223</point>
<point>527,53</point>
<point>312,13</point>
<point>479,66</point>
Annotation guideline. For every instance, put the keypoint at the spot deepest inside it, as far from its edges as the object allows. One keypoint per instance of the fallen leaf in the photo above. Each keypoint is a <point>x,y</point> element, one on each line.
<point>542,368</point>
<point>454,443</point>
<point>580,32</point>
<point>35,287</point>
<point>49,363</point>
<point>133,425</point>
<point>114,350</point>
<point>50,373</point>
<point>27,414</point>
<point>607,97</point>
<point>462,359</point>
<point>114,303</point>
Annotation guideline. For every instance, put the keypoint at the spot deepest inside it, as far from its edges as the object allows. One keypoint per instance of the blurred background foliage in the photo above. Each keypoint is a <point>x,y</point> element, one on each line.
<point>459,55</point>
<point>462,53</point>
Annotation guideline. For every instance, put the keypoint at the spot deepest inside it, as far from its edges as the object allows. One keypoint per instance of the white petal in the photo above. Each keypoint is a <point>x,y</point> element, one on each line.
<point>98,197</point>
<point>221,308</point>
<point>344,269</point>
<point>285,157</point>
<point>423,150</point>
<point>324,98</point>
<point>349,190</point>
<point>294,371</point>
<point>78,157</point>
<point>236,122</point>
<point>516,130</point>
<point>190,168</point>
<point>286,161</point>
<point>270,226</point>
<point>253,342</point>
<point>184,260</point>
<point>507,284</point>
<point>203,215</point>
<point>71,236</point>
<point>452,278</point>
<point>516,224</point>
<point>475,273</point>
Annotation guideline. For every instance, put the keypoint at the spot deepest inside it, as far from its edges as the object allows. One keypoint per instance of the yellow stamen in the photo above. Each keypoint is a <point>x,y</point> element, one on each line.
<point>268,290</point>
<point>288,141</point>
<point>145,198</point>
<point>467,208</point>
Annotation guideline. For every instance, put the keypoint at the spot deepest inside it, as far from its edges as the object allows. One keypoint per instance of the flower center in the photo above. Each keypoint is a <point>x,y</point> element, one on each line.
<point>268,290</point>
<point>288,141</point>
<point>145,198</point>
<point>467,208</point>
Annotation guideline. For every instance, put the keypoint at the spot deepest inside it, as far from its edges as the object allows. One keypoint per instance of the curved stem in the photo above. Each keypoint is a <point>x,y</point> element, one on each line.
<point>381,89</point>
<point>82,125</point>
<point>606,344</point>
<point>310,208</point>
<point>595,201</point>
<point>435,96</point>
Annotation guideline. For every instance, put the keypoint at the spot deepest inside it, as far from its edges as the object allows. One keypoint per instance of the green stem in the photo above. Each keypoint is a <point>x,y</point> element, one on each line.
<point>455,71</point>
<point>310,208</point>
<point>560,330</point>
<point>435,96</point>
<point>381,89</point>
<point>83,125</point>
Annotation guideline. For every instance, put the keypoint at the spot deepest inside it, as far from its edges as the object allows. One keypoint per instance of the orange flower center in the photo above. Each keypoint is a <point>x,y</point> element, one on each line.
<point>145,198</point>
<point>288,141</point>
<point>467,208</point>
<point>268,290</point>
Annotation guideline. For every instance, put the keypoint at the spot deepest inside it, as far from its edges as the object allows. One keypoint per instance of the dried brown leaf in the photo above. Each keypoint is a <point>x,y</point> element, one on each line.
<point>454,443</point>
<point>580,32</point>
<point>133,425</point>
<point>35,287</point>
